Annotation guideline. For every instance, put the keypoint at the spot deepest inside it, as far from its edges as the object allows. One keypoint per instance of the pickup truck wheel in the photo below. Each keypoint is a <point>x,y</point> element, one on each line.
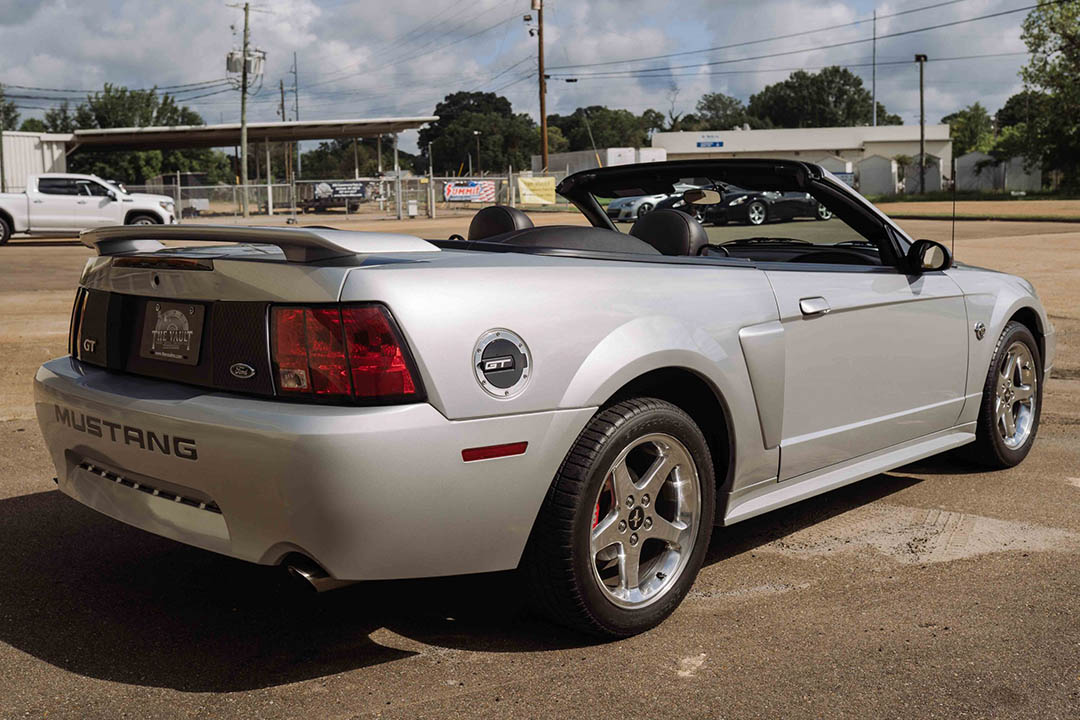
<point>143,220</point>
<point>5,231</point>
<point>626,523</point>
<point>1012,399</point>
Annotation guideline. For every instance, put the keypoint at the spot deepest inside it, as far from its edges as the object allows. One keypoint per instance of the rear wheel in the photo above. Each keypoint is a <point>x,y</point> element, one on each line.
<point>143,220</point>
<point>5,231</point>
<point>626,524</point>
<point>1012,399</point>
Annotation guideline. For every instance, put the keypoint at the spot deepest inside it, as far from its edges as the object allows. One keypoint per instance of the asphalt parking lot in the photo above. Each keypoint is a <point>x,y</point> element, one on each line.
<point>934,591</point>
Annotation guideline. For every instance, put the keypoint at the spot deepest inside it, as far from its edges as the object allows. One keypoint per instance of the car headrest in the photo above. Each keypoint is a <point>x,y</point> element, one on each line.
<point>672,232</point>
<point>496,220</point>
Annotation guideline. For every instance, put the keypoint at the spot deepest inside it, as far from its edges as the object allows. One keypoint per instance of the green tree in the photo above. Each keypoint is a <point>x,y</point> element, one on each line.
<point>833,97</point>
<point>116,106</point>
<point>610,128</point>
<point>652,121</point>
<point>506,138</point>
<point>60,119</point>
<point>717,111</point>
<point>334,159</point>
<point>33,125</point>
<point>970,129</point>
<point>1052,136</point>
<point>9,114</point>
<point>1020,108</point>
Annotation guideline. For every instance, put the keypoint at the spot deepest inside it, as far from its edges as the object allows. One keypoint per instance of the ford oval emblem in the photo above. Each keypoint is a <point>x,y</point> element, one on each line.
<point>242,371</point>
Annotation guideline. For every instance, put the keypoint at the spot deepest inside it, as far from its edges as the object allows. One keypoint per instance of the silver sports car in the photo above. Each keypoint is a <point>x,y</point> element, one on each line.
<point>582,403</point>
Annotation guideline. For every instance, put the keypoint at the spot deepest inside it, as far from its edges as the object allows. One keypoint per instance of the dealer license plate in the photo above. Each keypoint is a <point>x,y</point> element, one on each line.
<point>172,332</point>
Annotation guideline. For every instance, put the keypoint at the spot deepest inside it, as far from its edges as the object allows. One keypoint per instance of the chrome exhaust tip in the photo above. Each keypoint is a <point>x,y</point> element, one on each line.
<point>317,578</point>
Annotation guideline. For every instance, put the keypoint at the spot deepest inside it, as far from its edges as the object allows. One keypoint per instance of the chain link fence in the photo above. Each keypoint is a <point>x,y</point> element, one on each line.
<point>371,197</point>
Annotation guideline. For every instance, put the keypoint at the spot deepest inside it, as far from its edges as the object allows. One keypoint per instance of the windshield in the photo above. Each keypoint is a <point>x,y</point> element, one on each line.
<point>733,215</point>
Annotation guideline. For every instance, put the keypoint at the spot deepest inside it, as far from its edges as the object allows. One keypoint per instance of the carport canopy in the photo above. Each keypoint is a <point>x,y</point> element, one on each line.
<point>193,136</point>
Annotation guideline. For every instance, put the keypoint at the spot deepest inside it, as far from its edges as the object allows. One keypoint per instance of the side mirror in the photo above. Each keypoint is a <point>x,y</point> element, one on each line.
<point>928,256</point>
<point>112,195</point>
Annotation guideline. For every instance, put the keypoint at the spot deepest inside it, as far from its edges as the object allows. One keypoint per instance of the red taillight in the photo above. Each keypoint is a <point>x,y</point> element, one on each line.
<point>339,352</point>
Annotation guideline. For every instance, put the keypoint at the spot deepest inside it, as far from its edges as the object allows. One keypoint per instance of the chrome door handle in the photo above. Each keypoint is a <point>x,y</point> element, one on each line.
<point>812,306</point>
<point>81,202</point>
<point>38,202</point>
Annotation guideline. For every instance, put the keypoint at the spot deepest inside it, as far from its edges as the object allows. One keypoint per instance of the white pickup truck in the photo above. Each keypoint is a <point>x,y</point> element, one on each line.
<point>67,203</point>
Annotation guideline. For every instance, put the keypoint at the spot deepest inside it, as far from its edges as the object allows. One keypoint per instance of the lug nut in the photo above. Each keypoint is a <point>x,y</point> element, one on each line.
<point>629,501</point>
<point>648,523</point>
<point>622,526</point>
<point>633,539</point>
<point>645,501</point>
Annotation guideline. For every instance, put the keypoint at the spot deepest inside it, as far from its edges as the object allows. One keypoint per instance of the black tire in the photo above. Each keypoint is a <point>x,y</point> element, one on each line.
<point>644,209</point>
<point>5,231</point>
<point>990,448</point>
<point>143,219</point>
<point>822,213</point>
<point>750,214</point>
<point>559,567</point>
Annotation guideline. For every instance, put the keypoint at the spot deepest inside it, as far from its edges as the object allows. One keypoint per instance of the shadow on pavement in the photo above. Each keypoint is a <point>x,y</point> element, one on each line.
<point>66,242</point>
<point>101,599</point>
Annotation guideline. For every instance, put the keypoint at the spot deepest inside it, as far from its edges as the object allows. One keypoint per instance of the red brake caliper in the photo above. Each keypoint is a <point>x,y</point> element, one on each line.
<point>596,514</point>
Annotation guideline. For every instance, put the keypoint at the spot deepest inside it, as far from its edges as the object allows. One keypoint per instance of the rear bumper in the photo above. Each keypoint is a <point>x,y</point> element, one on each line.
<point>368,493</point>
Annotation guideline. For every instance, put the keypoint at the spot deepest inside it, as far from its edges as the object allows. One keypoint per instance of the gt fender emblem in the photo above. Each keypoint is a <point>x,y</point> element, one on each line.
<point>980,330</point>
<point>242,371</point>
<point>88,344</point>
<point>500,363</point>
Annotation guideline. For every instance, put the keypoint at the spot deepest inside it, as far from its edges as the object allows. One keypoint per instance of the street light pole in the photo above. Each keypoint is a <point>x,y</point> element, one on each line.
<point>921,59</point>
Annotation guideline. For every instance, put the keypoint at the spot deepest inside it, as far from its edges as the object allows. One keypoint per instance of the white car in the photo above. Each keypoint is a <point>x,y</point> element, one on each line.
<point>68,203</point>
<point>582,403</point>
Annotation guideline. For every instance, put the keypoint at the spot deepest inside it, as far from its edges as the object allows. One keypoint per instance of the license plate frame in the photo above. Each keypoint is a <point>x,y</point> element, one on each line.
<point>172,331</point>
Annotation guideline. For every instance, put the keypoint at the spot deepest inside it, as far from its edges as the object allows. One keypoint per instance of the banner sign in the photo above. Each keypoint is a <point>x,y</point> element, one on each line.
<point>536,190</point>
<point>354,189</point>
<point>470,191</point>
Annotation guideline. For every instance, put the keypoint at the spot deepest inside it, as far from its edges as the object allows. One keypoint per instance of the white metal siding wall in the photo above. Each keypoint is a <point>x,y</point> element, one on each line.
<point>28,154</point>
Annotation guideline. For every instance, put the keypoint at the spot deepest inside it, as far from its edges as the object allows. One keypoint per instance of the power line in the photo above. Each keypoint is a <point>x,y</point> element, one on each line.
<point>787,36</point>
<point>156,87</point>
<point>901,33</point>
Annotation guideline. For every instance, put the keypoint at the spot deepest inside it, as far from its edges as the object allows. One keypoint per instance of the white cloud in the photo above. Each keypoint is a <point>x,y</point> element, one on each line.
<point>371,58</point>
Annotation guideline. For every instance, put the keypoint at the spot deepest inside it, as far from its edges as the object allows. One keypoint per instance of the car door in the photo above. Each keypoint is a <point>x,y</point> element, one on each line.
<point>94,207</point>
<point>874,357</point>
<point>53,205</point>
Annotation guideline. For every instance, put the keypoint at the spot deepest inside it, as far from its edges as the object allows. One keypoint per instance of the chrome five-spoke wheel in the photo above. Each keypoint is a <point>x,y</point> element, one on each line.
<point>1016,396</point>
<point>645,521</point>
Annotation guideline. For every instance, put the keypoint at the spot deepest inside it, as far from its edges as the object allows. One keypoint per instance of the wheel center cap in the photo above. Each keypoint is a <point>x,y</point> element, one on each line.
<point>637,516</point>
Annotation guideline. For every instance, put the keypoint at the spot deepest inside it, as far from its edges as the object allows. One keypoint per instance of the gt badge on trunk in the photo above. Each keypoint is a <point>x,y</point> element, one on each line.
<point>172,332</point>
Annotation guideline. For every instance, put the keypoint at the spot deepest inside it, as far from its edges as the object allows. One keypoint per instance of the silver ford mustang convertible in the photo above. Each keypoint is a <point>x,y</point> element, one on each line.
<point>579,402</point>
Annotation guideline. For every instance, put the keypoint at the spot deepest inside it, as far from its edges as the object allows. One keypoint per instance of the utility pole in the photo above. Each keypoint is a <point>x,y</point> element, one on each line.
<point>873,73</point>
<point>281,111</point>
<point>538,6</point>
<point>3,178</point>
<point>243,112</point>
<point>296,110</point>
<point>431,182</point>
<point>921,59</point>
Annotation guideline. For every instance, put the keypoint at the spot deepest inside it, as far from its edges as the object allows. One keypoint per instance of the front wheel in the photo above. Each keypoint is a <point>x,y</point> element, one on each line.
<point>5,231</point>
<point>756,213</point>
<point>143,220</point>
<point>644,209</point>
<point>626,523</point>
<point>823,213</point>
<point>1012,399</point>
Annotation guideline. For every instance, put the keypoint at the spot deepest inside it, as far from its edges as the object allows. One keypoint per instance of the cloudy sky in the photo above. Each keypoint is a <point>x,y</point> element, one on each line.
<point>368,58</point>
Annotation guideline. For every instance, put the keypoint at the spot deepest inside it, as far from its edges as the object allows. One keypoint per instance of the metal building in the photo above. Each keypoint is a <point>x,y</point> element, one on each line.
<point>27,153</point>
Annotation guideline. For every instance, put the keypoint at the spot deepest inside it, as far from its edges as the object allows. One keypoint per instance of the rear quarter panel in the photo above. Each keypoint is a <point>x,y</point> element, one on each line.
<point>591,326</point>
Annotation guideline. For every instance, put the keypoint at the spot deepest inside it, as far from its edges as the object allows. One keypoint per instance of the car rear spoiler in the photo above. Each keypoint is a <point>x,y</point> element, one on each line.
<point>300,245</point>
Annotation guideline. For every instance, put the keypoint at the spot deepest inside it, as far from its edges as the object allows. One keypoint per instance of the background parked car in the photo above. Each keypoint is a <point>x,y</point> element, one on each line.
<point>750,206</point>
<point>628,209</point>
